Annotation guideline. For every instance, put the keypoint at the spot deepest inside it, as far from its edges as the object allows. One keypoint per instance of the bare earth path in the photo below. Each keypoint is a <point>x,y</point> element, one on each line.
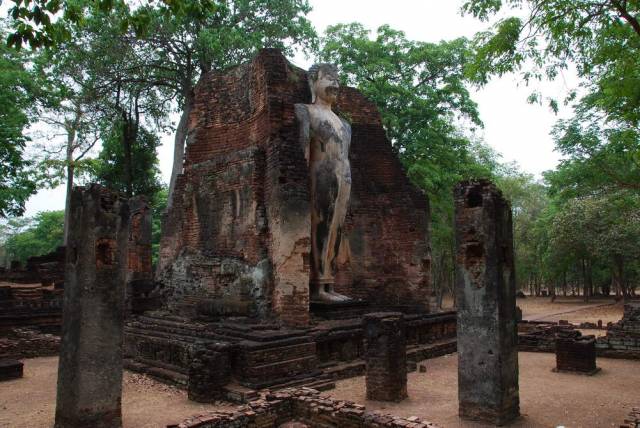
<point>547,399</point>
<point>554,315</point>
<point>30,402</point>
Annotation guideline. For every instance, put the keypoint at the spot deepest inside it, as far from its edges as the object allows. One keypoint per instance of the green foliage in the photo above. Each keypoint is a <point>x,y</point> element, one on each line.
<point>547,34</point>
<point>18,100</point>
<point>26,237</point>
<point>420,91</point>
<point>528,200</point>
<point>158,206</point>
<point>109,168</point>
<point>582,235</point>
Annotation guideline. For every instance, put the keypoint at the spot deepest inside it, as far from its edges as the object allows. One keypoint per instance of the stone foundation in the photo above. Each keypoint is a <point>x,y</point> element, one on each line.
<point>209,372</point>
<point>22,343</point>
<point>385,356</point>
<point>34,307</point>
<point>47,269</point>
<point>301,408</point>
<point>575,353</point>
<point>263,355</point>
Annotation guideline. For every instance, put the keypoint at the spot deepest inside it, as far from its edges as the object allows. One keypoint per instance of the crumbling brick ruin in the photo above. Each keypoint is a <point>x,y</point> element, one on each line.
<point>386,356</point>
<point>140,281</point>
<point>575,353</point>
<point>38,308</point>
<point>234,257</point>
<point>633,420</point>
<point>485,291</point>
<point>303,407</point>
<point>621,341</point>
<point>47,269</point>
<point>90,364</point>
<point>540,336</point>
<point>237,233</point>
<point>24,304</point>
<point>623,338</point>
<point>27,342</point>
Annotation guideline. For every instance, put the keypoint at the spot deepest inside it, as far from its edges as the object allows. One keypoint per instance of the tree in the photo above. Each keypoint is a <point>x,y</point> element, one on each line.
<point>35,236</point>
<point>174,42</point>
<point>528,200</point>
<point>601,143</point>
<point>19,100</point>
<point>108,168</point>
<point>598,36</point>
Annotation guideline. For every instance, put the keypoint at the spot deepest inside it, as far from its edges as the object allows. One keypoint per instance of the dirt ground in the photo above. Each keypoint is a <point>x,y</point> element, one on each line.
<point>30,402</point>
<point>573,309</point>
<point>547,399</point>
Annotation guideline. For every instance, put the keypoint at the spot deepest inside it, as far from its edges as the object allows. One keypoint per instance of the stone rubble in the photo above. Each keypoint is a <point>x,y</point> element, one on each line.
<point>304,407</point>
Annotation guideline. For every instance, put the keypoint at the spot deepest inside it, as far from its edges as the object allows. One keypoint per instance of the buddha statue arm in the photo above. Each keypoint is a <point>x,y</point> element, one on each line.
<point>304,124</point>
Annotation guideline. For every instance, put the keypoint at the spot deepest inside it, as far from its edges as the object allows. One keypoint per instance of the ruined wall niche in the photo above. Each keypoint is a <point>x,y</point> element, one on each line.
<point>485,292</point>
<point>238,228</point>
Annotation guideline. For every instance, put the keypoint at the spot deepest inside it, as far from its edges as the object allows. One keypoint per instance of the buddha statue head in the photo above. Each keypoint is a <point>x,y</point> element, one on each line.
<point>324,83</point>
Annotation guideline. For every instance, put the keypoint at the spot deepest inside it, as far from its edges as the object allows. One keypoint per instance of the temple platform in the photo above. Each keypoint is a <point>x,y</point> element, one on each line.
<point>262,355</point>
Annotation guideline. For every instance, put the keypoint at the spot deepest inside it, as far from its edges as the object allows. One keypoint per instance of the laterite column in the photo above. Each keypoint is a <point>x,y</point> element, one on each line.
<point>485,291</point>
<point>90,366</point>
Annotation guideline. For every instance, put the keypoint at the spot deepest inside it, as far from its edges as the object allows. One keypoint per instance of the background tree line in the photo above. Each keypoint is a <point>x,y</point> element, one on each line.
<point>108,76</point>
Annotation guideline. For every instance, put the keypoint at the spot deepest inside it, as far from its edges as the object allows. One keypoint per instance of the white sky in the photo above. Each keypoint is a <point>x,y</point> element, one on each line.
<point>517,130</point>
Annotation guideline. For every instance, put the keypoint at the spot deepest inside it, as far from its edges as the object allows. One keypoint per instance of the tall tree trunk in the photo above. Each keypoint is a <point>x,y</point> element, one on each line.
<point>127,145</point>
<point>619,262</point>
<point>71,141</point>
<point>179,145</point>
<point>585,282</point>
<point>67,202</point>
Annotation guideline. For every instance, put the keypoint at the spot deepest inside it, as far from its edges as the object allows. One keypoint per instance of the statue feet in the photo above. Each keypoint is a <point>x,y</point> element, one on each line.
<point>326,294</point>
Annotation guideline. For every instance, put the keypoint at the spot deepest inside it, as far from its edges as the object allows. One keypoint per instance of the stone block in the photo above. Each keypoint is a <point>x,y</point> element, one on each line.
<point>10,369</point>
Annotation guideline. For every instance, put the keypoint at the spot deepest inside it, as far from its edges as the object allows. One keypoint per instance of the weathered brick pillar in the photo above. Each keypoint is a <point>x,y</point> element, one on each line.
<point>140,274</point>
<point>575,353</point>
<point>485,291</point>
<point>386,356</point>
<point>90,367</point>
<point>209,372</point>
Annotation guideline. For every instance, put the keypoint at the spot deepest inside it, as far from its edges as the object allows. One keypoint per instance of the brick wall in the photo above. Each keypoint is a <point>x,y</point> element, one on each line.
<point>244,197</point>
